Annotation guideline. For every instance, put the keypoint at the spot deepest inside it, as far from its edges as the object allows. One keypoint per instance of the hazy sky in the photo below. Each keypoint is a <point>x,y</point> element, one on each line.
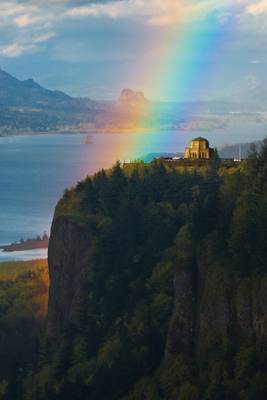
<point>95,48</point>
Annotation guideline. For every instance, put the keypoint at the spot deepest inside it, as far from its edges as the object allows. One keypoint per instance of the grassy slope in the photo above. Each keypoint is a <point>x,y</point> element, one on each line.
<point>10,270</point>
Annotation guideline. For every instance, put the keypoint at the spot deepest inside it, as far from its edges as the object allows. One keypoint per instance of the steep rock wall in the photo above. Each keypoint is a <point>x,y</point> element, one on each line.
<point>211,308</point>
<point>67,259</point>
<point>216,313</point>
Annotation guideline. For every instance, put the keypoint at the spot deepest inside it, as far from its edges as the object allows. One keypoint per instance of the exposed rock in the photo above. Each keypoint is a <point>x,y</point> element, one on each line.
<point>132,99</point>
<point>223,311</point>
<point>67,259</point>
<point>259,311</point>
<point>215,317</point>
<point>181,330</point>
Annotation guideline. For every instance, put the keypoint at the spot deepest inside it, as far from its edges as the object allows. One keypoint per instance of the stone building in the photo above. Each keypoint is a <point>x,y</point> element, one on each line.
<point>199,149</point>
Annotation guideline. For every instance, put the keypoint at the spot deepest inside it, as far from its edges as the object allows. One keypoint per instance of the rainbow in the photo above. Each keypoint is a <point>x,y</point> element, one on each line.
<point>186,68</point>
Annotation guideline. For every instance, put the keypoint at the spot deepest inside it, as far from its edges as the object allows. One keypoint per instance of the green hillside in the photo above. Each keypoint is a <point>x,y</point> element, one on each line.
<point>158,289</point>
<point>158,286</point>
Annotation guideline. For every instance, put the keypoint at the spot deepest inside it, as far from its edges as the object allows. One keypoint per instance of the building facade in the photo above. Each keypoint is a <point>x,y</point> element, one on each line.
<point>199,149</point>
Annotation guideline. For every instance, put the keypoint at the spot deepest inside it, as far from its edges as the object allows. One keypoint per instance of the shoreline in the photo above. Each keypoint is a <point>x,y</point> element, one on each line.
<point>90,132</point>
<point>220,124</point>
<point>27,245</point>
<point>21,256</point>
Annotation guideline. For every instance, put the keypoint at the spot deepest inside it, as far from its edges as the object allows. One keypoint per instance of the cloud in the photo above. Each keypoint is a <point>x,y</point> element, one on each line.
<point>258,8</point>
<point>24,27</point>
<point>43,38</point>
<point>24,45</point>
<point>158,12</point>
<point>13,50</point>
<point>155,12</point>
<point>34,18</point>
<point>83,11</point>
<point>25,20</point>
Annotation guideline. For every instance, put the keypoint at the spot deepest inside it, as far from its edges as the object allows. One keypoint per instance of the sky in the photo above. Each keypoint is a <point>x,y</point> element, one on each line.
<point>171,49</point>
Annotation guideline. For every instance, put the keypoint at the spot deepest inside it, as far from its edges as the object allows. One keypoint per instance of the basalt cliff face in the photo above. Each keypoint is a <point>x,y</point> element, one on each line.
<point>159,286</point>
<point>221,311</point>
<point>66,258</point>
<point>210,306</point>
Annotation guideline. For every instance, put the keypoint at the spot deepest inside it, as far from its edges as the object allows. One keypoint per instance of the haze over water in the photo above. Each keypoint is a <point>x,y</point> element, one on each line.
<point>35,171</point>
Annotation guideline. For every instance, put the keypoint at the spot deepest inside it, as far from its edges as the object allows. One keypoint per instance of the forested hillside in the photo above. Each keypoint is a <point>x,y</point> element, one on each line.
<point>158,286</point>
<point>23,310</point>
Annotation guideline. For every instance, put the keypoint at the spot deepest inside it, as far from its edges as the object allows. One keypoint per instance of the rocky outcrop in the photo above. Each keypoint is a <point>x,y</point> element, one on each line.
<point>130,99</point>
<point>67,260</point>
<point>221,311</point>
<point>259,310</point>
<point>182,324</point>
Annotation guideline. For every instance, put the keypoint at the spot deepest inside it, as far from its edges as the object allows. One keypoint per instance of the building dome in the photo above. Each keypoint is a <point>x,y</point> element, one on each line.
<point>201,139</point>
<point>199,149</point>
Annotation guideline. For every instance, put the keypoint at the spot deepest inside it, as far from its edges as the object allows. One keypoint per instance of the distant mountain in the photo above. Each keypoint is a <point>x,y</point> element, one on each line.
<point>125,114</point>
<point>131,99</point>
<point>25,106</point>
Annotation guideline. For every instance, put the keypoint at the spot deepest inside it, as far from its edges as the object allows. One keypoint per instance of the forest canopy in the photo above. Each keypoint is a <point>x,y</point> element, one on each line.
<point>147,223</point>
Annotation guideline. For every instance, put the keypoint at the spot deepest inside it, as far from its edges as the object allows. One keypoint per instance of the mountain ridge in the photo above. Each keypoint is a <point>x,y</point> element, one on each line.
<point>28,108</point>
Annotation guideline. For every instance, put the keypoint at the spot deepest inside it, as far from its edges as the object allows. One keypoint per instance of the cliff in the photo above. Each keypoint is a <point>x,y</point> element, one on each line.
<point>158,285</point>
<point>224,311</point>
<point>130,99</point>
<point>66,260</point>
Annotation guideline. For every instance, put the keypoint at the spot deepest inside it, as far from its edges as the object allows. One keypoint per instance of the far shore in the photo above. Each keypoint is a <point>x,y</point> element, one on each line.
<point>86,132</point>
<point>26,245</point>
